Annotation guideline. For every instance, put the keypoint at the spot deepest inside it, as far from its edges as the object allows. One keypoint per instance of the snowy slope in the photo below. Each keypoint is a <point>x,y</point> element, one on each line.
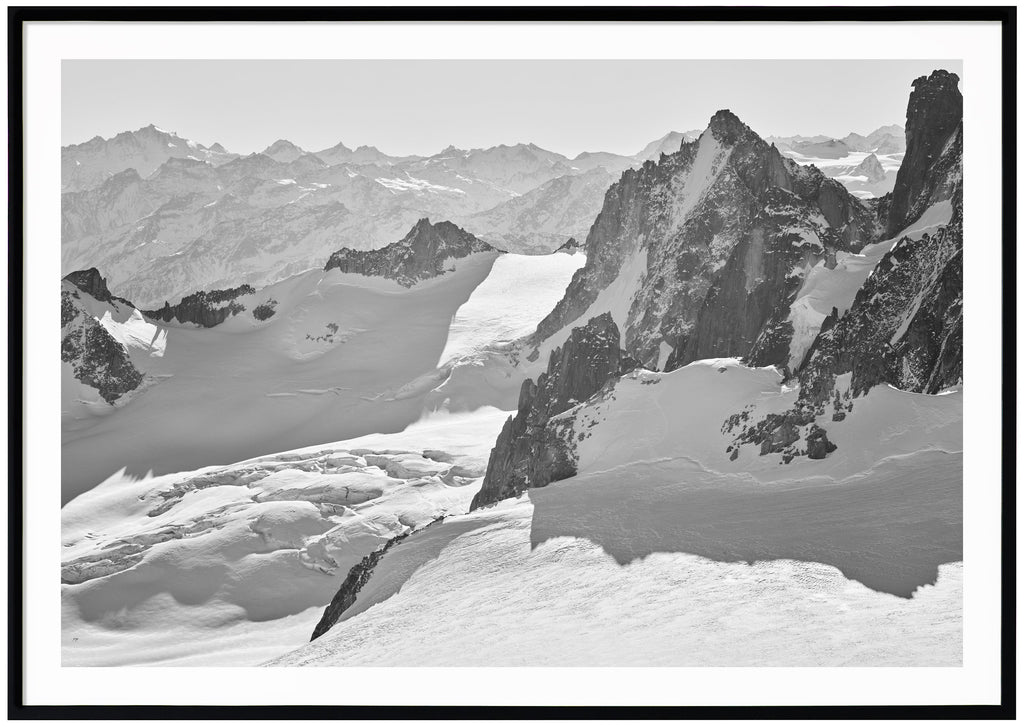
<point>663,551</point>
<point>342,355</point>
<point>308,374</point>
<point>233,565</point>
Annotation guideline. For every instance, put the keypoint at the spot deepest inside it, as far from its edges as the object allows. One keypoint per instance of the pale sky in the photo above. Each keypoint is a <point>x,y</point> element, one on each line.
<point>420,107</point>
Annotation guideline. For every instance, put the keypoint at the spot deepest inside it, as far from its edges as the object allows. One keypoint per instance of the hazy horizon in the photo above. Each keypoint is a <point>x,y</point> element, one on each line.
<point>564,106</point>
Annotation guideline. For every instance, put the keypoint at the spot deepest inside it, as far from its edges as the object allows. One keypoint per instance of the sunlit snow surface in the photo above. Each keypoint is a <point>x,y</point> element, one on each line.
<point>662,551</point>
<point>518,293</point>
<point>485,597</point>
<point>234,565</point>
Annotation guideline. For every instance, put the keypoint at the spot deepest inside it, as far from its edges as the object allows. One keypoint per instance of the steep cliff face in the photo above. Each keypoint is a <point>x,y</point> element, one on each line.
<point>205,308</point>
<point>934,139</point>
<point>534,448</point>
<point>904,326</point>
<point>92,282</point>
<point>692,254</point>
<point>429,250</point>
<point>95,357</point>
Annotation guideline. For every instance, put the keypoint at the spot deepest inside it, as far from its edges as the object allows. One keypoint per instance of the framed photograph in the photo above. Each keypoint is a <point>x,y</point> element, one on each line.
<point>512,362</point>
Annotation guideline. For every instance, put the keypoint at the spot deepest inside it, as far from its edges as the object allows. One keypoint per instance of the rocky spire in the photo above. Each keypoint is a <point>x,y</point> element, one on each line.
<point>934,115</point>
<point>530,451</point>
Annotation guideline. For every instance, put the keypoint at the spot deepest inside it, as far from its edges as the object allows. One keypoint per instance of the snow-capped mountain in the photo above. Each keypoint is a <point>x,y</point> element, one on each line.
<point>163,216</point>
<point>187,224</point>
<point>691,254</point>
<point>895,317</point>
<point>87,165</point>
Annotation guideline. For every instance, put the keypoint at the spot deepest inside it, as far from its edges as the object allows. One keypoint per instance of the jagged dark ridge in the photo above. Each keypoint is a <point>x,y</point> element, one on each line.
<point>423,253</point>
<point>203,307</point>
<point>531,450</point>
<point>95,285</point>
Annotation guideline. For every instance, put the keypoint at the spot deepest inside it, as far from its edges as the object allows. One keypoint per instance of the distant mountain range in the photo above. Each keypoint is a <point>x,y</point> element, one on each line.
<point>163,216</point>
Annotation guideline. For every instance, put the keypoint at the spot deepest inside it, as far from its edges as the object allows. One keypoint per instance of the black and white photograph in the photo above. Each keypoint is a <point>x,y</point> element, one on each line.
<point>516,362</point>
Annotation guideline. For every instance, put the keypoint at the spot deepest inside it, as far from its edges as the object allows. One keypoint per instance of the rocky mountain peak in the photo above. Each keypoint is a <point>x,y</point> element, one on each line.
<point>95,357</point>
<point>427,251</point>
<point>701,248</point>
<point>218,148</point>
<point>934,116</point>
<point>870,168</point>
<point>91,282</point>
<point>727,127</point>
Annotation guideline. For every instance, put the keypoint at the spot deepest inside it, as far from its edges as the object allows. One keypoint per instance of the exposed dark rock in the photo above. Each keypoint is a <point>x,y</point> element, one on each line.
<point>354,582</point>
<point>711,236</point>
<point>934,117</point>
<point>818,444</point>
<point>204,308</point>
<point>96,358</point>
<point>264,310</point>
<point>532,450</point>
<point>426,252</point>
<point>91,282</point>
<point>905,325</point>
<point>569,245</point>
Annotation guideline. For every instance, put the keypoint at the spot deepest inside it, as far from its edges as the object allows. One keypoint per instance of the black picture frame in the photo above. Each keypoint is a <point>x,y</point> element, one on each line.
<point>1006,16</point>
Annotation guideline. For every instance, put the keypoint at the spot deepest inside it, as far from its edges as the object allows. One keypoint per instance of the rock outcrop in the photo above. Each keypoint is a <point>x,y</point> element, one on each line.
<point>205,308</point>
<point>570,246</point>
<point>96,358</point>
<point>354,582</point>
<point>534,447</point>
<point>934,134</point>
<point>429,250</point>
<point>93,283</point>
